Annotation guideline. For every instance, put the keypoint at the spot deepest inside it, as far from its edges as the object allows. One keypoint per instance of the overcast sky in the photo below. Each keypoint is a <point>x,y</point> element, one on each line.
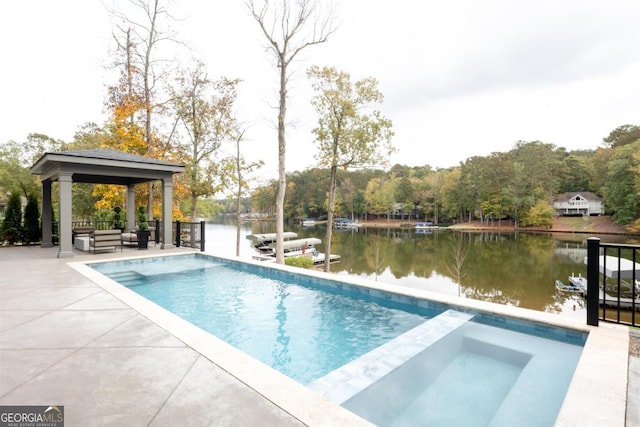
<point>460,78</point>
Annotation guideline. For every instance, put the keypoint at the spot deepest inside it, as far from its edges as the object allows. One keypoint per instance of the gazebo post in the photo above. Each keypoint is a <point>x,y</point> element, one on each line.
<point>167,214</point>
<point>64,230</point>
<point>130,206</point>
<point>47,226</point>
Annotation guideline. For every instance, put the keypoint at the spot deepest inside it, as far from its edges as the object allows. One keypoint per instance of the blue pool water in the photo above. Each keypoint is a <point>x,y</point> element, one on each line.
<point>482,375</point>
<point>392,359</point>
<point>302,331</point>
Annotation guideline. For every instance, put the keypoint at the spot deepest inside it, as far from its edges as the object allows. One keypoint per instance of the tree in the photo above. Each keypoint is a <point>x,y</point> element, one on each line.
<point>306,194</point>
<point>518,193</point>
<point>349,133</point>
<point>263,199</point>
<point>348,198</point>
<point>542,164</point>
<point>436,181</point>
<point>32,231</point>
<point>205,108</point>
<point>14,169</point>
<point>239,165</point>
<point>142,33</point>
<point>379,196</point>
<point>471,186</point>
<point>37,144</point>
<point>622,135</point>
<point>451,199</point>
<point>405,193</point>
<point>536,168</point>
<point>12,222</point>
<point>288,29</point>
<point>539,215</point>
<point>575,174</point>
<point>126,101</point>
<point>620,192</point>
<point>359,204</point>
<point>495,207</point>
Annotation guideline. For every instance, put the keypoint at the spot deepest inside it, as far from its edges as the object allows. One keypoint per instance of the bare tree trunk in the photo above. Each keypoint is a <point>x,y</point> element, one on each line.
<point>285,41</point>
<point>238,195</point>
<point>282,175</point>
<point>130,91</point>
<point>194,199</point>
<point>140,58</point>
<point>147,96</point>
<point>330,209</point>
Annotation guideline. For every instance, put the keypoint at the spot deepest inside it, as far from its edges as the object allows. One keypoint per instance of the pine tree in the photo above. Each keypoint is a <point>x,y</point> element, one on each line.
<point>32,231</point>
<point>12,223</point>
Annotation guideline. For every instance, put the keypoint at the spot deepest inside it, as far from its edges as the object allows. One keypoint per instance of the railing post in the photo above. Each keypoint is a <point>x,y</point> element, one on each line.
<point>201,236</point>
<point>157,233</point>
<point>593,271</point>
<point>177,233</point>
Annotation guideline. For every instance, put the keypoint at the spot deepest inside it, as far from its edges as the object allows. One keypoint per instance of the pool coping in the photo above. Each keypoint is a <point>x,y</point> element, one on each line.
<point>602,365</point>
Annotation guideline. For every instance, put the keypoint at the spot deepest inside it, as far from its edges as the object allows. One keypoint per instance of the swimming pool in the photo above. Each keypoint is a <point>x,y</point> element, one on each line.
<point>300,329</point>
<point>416,334</point>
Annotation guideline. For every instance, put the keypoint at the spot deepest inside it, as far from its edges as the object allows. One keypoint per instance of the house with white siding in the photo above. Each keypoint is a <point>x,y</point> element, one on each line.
<point>578,203</point>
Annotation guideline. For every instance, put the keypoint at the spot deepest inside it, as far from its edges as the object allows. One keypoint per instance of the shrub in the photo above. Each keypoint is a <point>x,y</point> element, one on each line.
<point>540,215</point>
<point>32,231</point>
<point>118,218</point>
<point>299,261</point>
<point>143,223</point>
<point>12,223</point>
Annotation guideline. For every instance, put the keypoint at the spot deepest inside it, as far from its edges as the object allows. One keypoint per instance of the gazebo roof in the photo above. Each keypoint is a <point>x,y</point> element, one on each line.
<point>103,166</point>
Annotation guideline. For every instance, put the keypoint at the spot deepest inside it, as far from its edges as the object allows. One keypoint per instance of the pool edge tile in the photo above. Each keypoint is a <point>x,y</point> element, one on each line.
<point>600,380</point>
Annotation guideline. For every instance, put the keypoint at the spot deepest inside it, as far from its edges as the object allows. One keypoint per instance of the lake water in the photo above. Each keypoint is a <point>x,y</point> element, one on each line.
<point>513,268</point>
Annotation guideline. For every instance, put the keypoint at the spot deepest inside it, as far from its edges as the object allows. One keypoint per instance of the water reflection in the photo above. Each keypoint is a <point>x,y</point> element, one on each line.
<point>513,268</point>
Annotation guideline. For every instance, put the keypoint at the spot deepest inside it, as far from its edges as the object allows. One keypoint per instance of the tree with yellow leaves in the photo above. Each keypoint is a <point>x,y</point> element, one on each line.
<point>134,100</point>
<point>204,108</point>
<point>350,133</point>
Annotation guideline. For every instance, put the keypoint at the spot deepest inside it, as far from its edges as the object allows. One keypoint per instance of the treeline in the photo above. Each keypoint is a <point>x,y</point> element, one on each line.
<point>519,184</point>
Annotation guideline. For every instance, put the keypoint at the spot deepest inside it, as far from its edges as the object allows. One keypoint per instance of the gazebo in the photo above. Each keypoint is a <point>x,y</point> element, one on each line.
<point>100,166</point>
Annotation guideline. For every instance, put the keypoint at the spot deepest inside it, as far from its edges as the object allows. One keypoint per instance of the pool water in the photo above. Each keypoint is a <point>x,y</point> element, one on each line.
<point>482,375</point>
<point>392,359</point>
<point>302,331</point>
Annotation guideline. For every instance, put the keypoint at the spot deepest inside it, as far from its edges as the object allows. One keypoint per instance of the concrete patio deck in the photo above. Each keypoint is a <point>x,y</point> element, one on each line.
<point>64,340</point>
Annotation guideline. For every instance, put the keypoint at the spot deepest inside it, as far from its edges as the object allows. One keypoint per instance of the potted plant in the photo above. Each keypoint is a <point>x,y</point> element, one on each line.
<point>143,228</point>
<point>118,219</point>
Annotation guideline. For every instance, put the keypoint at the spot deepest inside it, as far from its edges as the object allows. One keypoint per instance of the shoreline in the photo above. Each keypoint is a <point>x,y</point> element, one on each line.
<point>571,225</point>
<point>598,225</point>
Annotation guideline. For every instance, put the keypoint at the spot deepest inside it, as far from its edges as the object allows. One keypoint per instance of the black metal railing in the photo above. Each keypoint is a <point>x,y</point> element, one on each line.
<point>98,225</point>
<point>83,223</point>
<point>189,234</point>
<point>613,283</point>
<point>184,234</point>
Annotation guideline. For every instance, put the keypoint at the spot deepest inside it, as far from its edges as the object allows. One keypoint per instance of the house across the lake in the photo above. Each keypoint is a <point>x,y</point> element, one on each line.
<point>578,203</point>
